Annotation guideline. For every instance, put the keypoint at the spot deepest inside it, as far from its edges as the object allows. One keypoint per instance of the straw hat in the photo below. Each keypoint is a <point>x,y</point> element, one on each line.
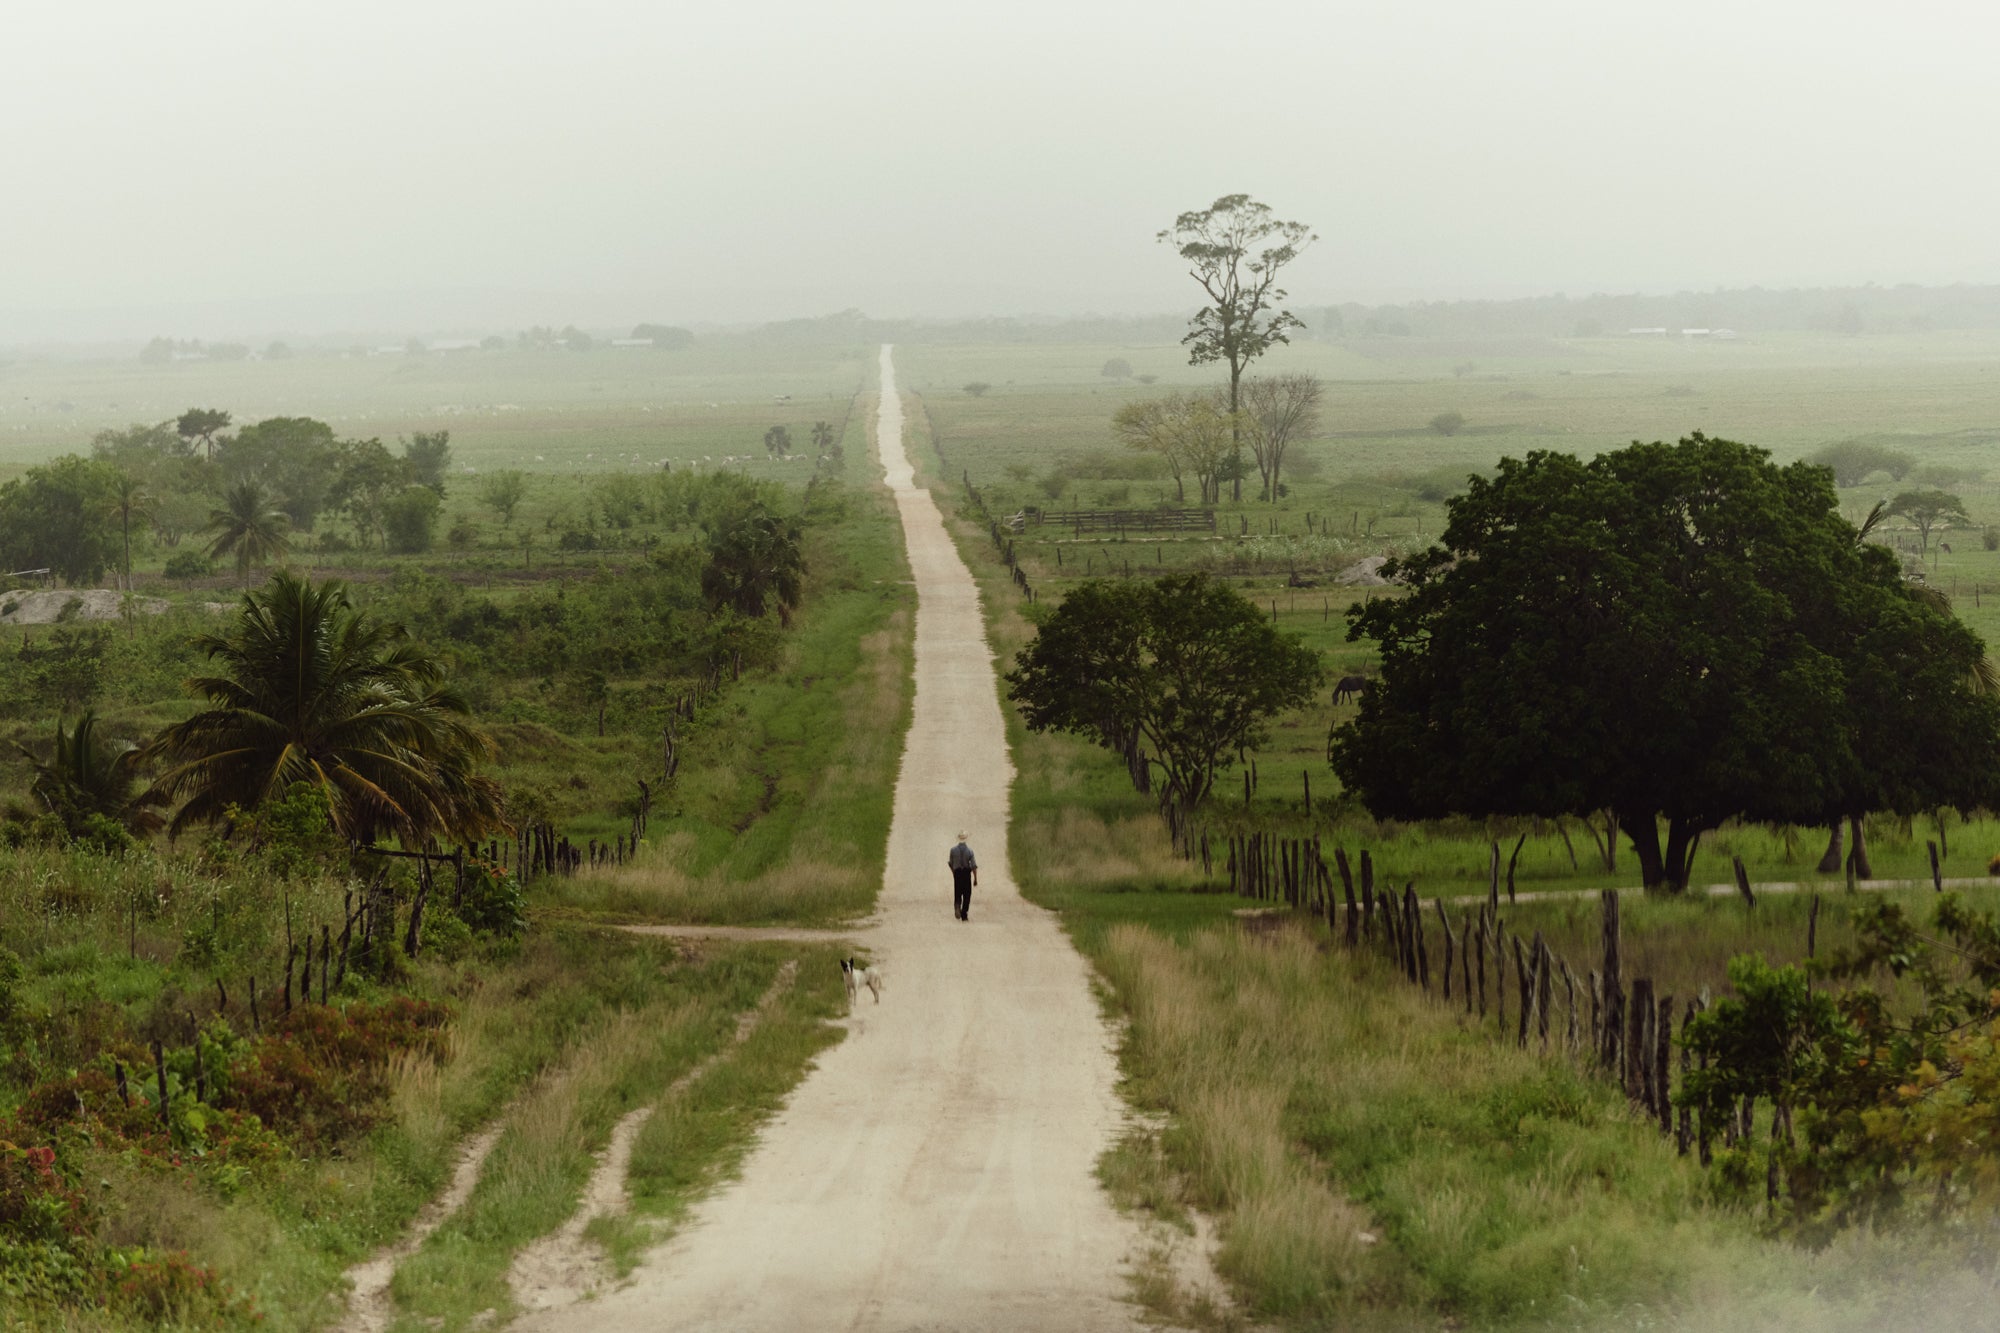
<point>961,835</point>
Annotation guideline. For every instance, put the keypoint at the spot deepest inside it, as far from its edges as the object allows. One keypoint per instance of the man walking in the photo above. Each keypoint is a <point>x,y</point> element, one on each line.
<point>964,874</point>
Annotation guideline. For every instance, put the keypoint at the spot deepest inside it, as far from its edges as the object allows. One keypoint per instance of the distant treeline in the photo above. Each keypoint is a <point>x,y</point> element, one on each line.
<point>1844,310</point>
<point>1839,310</point>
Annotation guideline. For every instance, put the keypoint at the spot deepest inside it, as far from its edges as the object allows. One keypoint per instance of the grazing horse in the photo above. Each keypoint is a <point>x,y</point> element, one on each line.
<point>1349,687</point>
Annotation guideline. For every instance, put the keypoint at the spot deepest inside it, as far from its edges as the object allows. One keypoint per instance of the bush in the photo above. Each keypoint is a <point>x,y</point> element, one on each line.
<point>1117,368</point>
<point>189,565</point>
<point>464,535</point>
<point>492,902</point>
<point>409,521</point>
<point>575,539</point>
<point>977,388</point>
<point>1990,538</point>
<point>1448,423</point>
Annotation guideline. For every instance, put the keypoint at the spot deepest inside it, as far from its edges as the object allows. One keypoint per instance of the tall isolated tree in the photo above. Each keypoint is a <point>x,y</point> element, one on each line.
<point>1280,409</point>
<point>1235,249</point>
<point>1184,664</point>
<point>778,441</point>
<point>249,526</point>
<point>1679,633</point>
<point>313,691</point>
<point>1929,509</point>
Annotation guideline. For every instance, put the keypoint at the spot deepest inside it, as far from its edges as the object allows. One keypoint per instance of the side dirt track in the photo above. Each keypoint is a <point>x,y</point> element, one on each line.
<point>936,1170</point>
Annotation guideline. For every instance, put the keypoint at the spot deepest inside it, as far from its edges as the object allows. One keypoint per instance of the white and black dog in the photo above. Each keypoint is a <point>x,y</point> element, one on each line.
<point>856,976</point>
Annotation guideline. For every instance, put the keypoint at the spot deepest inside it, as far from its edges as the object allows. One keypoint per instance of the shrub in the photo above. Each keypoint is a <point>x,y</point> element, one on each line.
<point>492,901</point>
<point>189,565</point>
<point>577,540</point>
<point>977,388</point>
<point>167,1288</point>
<point>1448,423</point>
<point>409,521</point>
<point>319,1078</point>
<point>1990,538</point>
<point>464,535</point>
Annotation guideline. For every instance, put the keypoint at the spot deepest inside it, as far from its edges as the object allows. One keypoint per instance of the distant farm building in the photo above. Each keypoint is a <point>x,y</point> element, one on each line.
<point>1646,333</point>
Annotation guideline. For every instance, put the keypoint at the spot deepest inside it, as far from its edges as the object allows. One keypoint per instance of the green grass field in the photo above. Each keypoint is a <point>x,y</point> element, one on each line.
<point>1371,1158</point>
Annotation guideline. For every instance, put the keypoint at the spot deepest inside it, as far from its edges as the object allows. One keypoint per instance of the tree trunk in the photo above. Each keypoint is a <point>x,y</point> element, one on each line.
<point>1674,869</point>
<point>1836,851</point>
<point>1862,870</point>
<point>1644,832</point>
<point>1235,434</point>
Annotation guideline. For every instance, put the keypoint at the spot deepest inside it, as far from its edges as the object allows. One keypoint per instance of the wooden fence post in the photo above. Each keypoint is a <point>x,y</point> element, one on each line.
<point>1421,974</point>
<point>1613,987</point>
<point>1465,959</point>
<point>1444,923</point>
<point>1525,984</point>
<point>1743,881</point>
<point>1663,1041</point>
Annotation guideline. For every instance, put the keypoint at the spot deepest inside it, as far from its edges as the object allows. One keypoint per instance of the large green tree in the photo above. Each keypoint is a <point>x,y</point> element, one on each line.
<point>1929,509</point>
<point>1183,664</point>
<point>297,459</point>
<point>1235,249</point>
<point>1680,633</point>
<point>755,557</point>
<point>56,517</point>
<point>314,691</point>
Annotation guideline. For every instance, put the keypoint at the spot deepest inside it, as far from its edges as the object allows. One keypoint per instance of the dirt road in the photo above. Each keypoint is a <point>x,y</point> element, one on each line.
<point>935,1172</point>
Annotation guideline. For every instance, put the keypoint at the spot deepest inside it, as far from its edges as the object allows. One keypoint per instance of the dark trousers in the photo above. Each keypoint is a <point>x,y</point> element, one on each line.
<point>961,894</point>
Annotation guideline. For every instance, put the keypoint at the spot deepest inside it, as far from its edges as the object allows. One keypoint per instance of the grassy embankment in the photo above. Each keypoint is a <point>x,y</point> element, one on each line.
<point>1371,1158</point>
<point>558,1034</point>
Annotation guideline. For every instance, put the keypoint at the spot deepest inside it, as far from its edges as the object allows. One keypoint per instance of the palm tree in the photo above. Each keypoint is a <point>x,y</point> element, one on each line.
<point>250,525</point>
<point>315,691</point>
<point>82,778</point>
<point>129,499</point>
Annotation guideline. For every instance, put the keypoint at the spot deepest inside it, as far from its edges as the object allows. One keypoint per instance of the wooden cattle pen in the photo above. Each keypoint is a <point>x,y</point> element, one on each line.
<point>1123,521</point>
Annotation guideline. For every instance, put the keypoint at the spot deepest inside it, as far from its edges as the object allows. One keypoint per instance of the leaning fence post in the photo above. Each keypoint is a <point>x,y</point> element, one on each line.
<point>1937,871</point>
<point>1743,880</point>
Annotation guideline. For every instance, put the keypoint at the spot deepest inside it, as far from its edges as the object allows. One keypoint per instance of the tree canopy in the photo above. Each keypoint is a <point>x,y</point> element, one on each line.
<point>57,517</point>
<point>248,526</point>
<point>1679,631</point>
<point>1183,664</point>
<point>1235,249</point>
<point>1929,509</point>
<point>1189,431</point>
<point>314,691</point>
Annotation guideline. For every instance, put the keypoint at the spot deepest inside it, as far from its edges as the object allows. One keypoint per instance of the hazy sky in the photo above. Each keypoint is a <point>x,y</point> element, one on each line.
<point>220,163</point>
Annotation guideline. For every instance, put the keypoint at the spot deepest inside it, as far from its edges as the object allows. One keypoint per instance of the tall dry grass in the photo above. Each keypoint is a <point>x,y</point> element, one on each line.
<point>1372,1160</point>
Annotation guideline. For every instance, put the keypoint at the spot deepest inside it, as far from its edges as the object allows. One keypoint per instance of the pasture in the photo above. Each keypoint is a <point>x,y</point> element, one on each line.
<point>1373,483</point>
